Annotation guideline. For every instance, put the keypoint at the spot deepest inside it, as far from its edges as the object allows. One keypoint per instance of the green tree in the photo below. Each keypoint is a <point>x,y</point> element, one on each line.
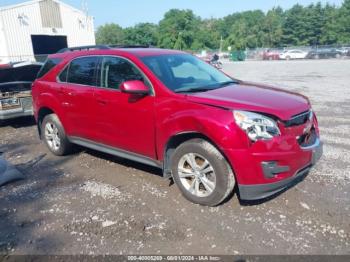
<point>343,22</point>
<point>142,34</point>
<point>246,29</point>
<point>314,20</point>
<point>206,36</point>
<point>330,31</point>
<point>110,34</point>
<point>294,26</point>
<point>315,24</point>
<point>178,27</point>
<point>272,27</point>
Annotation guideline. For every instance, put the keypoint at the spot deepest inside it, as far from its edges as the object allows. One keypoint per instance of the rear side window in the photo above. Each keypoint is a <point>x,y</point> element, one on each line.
<point>63,75</point>
<point>82,71</point>
<point>49,64</point>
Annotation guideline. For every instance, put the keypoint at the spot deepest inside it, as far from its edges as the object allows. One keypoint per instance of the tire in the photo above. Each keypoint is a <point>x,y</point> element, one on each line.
<point>216,173</point>
<point>54,136</point>
<point>288,58</point>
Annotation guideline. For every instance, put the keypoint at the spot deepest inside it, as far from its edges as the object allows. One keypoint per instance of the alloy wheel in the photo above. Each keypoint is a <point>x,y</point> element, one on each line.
<point>52,136</point>
<point>197,175</point>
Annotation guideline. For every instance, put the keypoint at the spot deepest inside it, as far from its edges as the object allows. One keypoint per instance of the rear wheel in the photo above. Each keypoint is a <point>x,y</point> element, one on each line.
<point>54,135</point>
<point>202,173</point>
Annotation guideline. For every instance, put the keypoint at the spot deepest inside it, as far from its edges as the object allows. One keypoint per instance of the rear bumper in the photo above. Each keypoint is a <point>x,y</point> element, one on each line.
<point>25,109</point>
<point>14,113</point>
<point>261,191</point>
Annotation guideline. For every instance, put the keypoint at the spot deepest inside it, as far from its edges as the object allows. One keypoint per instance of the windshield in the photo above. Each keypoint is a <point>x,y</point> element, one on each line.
<point>186,73</point>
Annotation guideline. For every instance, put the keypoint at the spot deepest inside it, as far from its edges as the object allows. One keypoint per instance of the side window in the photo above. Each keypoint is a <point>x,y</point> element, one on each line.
<point>115,70</point>
<point>82,71</point>
<point>49,64</point>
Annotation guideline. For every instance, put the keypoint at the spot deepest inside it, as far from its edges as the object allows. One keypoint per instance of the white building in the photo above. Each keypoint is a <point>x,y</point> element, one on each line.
<point>31,29</point>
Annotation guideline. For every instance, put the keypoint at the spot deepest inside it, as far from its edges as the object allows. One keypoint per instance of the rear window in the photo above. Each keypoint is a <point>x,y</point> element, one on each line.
<point>49,64</point>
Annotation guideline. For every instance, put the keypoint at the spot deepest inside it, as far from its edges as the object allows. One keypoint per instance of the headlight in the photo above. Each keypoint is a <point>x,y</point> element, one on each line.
<point>9,102</point>
<point>256,126</point>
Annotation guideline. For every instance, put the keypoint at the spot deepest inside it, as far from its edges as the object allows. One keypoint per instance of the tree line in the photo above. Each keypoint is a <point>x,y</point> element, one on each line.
<point>311,25</point>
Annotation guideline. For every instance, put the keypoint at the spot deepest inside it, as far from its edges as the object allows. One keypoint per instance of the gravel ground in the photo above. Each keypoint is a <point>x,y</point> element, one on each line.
<point>92,203</point>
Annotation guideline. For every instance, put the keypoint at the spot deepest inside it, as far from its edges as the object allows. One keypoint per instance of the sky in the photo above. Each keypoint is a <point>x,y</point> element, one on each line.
<point>130,12</point>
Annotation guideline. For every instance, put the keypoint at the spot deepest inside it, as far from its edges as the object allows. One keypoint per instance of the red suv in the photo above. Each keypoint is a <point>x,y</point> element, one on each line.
<point>169,109</point>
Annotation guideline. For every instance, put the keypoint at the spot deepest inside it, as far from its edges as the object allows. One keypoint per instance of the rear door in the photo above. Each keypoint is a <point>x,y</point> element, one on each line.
<point>77,83</point>
<point>124,121</point>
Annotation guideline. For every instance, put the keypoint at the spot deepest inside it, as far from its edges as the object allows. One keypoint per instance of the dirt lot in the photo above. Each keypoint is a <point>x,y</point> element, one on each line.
<point>92,203</point>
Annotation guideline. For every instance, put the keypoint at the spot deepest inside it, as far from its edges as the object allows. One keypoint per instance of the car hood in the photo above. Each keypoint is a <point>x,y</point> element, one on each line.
<point>255,97</point>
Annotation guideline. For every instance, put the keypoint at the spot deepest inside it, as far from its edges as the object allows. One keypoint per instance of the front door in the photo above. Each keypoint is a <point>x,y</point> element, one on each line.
<point>124,121</point>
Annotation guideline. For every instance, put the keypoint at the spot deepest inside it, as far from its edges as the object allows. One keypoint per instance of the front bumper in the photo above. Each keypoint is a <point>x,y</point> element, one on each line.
<point>260,191</point>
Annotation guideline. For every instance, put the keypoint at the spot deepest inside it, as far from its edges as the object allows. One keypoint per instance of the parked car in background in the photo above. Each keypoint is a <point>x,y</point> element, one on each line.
<point>169,109</point>
<point>15,89</point>
<point>293,54</point>
<point>2,66</point>
<point>344,50</point>
<point>271,54</point>
<point>324,53</point>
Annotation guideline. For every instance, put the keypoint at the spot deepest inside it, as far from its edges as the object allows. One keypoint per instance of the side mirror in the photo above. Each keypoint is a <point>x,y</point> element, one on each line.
<point>136,87</point>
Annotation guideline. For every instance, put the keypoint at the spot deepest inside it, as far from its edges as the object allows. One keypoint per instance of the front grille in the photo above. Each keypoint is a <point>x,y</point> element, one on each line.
<point>299,119</point>
<point>26,103</point>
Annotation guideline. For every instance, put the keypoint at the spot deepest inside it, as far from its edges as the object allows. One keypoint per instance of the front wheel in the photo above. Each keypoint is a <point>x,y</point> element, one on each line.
<point>202,173</point>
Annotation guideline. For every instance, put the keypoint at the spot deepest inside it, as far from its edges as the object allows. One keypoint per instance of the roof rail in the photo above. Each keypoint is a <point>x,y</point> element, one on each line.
<point>81,48</point>
<point>129,46</point>
<point>99,47</point>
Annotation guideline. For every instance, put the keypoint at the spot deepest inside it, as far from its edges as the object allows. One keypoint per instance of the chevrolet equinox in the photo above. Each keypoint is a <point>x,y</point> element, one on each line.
<point>166,108</point>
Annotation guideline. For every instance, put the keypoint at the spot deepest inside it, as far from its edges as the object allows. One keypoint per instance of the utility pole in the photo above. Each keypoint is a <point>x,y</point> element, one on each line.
<point>84,7</point>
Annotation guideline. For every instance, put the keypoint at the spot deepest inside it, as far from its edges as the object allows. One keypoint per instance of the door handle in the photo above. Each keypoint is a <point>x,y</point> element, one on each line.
<point>60,91</point>
<point>101,101</point>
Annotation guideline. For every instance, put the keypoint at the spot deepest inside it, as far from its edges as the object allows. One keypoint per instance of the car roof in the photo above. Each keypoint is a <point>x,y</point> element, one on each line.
<point>139,52</point>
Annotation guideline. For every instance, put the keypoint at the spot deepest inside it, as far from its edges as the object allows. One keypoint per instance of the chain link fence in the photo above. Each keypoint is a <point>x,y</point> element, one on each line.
<point>286,53</point>
<point>299,52</point>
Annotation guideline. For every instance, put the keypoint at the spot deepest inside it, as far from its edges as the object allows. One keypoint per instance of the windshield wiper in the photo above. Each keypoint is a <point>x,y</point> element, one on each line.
<point>192,90</point>
<point>204,89</point>
<point>222,84</point>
